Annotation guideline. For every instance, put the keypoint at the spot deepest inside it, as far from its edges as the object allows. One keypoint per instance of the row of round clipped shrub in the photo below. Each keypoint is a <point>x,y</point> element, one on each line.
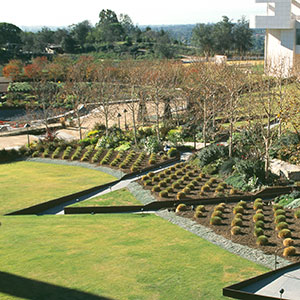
<point>118,159</point>
<point>137,164</point>
<point>87,154</point>
<point>128,159</point>
<point>77,153</point>
<point>105,160</point>
<point>67,152</point>
<point>152,159</point>
<point>97,155</point>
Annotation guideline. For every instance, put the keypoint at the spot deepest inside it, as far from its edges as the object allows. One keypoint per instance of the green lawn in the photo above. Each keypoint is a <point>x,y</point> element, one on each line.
<point>116,198</point>
<point>121,256</point>
<point>23,184</point>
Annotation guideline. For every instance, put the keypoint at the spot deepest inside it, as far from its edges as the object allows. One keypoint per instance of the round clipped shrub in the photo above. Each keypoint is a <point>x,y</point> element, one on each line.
<point>236,222</point>
<point>282,225</point>
<point>219,189</point>
<point>167,172</point>
<point>155,179</point>
<point>257,200</point>
<point>259,224</point>
<point>172,169</point>
<point>279,219</point>
<point>258,205</point>
<point>194,182</point>
<point>288,242</point>
<point>220,208</point>
<point>181,207</point>
<point>297,214</point>
<point>258,217</point>
<point>284,233</point>
<point>289,251</point>
<point>223,184</point>
<point>202,175</point>
<point>258,231</point>
<point>198,214</point>
<point>243,204</point>
<point>179,173</point>
<point>200,208</point>
<point>156,189</point>
<point>187,190</point>
<point>185,178</point>
<point>176,185</point>
<point>277,206</point>
<point>238,216</point>
<point>215,221</point>
<point>262,240</point>
<point>191,186</point>
<point>205,188</point>
<point>233,191</point>
<point>163,194</point>
<point>238,209</point>
<point>217,213</point>
<point>151,174</point>
<point>201,194</point>
<point>169,189</point>
<point>146,177</point>
<point>168,180</point>
<point>161,175</point>
<point>147,182</point>
<point>259,211</point>
<point>279,212</point>
<point>162,184</point>
<point>198,179</point>
<point>235,230</point>
<point>173,176</point>
<point>180,195</point>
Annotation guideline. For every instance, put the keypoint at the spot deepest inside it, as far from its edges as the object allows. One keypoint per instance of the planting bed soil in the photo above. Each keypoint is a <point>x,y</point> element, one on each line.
<point>246,236</point>
<point>126,161</point>
<point>186,182</point>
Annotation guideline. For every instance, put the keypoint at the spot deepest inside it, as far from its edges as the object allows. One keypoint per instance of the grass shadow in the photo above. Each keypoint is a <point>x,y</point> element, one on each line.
<point>31,289</point>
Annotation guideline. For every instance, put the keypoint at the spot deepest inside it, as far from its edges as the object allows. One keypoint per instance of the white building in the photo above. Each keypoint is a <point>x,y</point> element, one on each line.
<point>282,24</point>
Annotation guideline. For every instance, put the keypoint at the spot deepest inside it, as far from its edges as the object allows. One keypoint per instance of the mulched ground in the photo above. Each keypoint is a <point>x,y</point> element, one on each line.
<point>247,237</point>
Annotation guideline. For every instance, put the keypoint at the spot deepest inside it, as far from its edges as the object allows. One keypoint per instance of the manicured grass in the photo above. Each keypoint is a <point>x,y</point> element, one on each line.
<point>117,256</point>
<point>115,198</point>
<point>23,184</point>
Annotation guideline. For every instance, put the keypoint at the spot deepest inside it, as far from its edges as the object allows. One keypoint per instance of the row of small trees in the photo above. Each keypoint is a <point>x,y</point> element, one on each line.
<point>203,95</point>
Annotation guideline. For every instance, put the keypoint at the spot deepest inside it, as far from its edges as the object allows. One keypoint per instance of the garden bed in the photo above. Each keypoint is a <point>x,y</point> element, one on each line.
<point>186,182</point>
<point>126,161</point>
<point>247,226</point>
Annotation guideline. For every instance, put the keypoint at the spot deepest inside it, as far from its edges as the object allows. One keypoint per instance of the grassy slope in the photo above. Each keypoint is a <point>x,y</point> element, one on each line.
<point>117,256</point>
<point>116,198</point>
<point>23,184</point>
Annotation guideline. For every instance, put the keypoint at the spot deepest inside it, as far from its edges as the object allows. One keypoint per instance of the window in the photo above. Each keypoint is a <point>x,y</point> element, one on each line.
<point>297,36</point>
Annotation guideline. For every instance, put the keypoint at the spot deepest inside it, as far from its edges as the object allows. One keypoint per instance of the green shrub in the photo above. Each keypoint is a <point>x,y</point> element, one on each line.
<point>277,206</point>
<point>67,152</point>
<point>262,240</point>
<point>258,217</point>
<point>161,175</point>
<point>238,209</point>
<point>155,179</point>
<point>167,172</point>
<point>88,153</point>
<point>282,225</point>
<point>187,190</point>
<point>56,152</point>
<point>169,190</point>
<point>180,195</point>
<point>173,152</point>
<point>173,177</point>
<point>162,184</point>
<point>258,231</point>
<point>257,206</point>
<point>257,200</point>
<point>175,185</point>
<point>284,233</point>
<point>200,208</point>
<point>288,242</point>
<point>211,153</point>
<point>194,182</point>
<point>163,194</point>
<point>259,211</point>
<point>297,214</point>
<point>205,188</point>
<point>107,157</point>
<point>168,180</point>
<point>181,207</point>
<point>238,216</point>
<point>217,213</point>
<point>233,191</point>
<point>46,153</point>
<point>156,189</point>
<point>289,251</point>
<point>279,212</point>
<point>236,222</point>
<point>145,177</point>
<point>243,204</point>
<point>220,208</point>
<point>235,230</point>
<point>215,221</point>
<point>186,178</point>
<point>179,173</point>
<point>35,154</point>
<point>151,174</point>
<point>191,186</point>
<point>147,182</point>
<point>198,214</point>
<point>259,224</point>
<point>202,175</point>
<point>77,153</point>
<point>279,219</point>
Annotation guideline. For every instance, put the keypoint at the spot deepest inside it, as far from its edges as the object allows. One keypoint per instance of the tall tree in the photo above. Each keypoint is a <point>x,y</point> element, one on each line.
<point>222,34</point>
<point>9,34</point>
<point>242,36</point>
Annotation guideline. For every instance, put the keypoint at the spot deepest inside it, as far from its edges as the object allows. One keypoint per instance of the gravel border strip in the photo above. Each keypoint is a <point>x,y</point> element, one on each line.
<point>144,196</point>
<point>115,173</point>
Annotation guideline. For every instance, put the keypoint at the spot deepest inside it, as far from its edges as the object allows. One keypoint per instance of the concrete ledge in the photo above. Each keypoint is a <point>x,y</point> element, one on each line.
<point>290,171</point>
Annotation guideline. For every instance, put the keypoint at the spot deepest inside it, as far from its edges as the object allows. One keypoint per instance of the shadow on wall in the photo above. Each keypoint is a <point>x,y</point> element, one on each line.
<point>21,287</point>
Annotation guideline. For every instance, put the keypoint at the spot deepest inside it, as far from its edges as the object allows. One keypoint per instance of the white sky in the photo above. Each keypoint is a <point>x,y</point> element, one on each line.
<point>142,12</point>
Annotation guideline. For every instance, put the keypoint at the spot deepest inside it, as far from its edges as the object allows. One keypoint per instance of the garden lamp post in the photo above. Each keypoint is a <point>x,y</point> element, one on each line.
<point>119,116</point>
<point>27,126</point>
<point>125,123</point>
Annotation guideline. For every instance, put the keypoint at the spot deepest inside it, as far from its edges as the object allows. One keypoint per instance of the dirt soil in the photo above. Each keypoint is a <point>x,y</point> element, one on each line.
<point>247,237</point>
